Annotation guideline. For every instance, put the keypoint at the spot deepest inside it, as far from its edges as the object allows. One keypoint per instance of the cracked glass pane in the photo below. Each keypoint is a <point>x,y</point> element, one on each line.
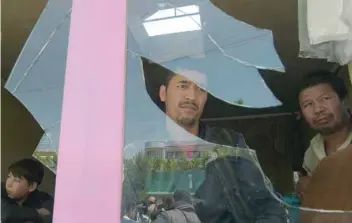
<point>199,117</point>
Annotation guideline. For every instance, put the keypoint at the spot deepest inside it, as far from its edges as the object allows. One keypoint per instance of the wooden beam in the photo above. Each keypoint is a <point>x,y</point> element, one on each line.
<point>248,117</point>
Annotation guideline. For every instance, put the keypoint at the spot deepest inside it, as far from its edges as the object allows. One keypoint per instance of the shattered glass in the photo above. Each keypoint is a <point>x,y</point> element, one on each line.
<point>217,59</point>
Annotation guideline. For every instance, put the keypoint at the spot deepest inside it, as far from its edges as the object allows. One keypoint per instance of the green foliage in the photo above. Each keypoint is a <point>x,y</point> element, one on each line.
<point>49,159</point>
<point>138,168</point>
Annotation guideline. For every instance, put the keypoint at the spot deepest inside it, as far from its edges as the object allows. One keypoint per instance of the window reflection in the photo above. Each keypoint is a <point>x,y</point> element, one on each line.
<point>173,20</point>
<point>187,150</point>
<point>212,65</point>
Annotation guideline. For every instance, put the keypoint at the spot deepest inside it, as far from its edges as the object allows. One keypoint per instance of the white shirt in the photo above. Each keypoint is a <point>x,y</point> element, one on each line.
<point>316,152</point>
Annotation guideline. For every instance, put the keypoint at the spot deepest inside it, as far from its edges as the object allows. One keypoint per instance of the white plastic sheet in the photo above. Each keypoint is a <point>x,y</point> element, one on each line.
<point>324,21</point>
<point>325,30</point>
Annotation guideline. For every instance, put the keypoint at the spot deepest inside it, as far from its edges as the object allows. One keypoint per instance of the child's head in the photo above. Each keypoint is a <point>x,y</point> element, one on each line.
<point>24,176</point>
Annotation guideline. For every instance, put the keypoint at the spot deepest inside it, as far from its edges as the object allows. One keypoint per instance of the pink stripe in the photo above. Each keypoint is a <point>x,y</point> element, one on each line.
<point>88,187</point>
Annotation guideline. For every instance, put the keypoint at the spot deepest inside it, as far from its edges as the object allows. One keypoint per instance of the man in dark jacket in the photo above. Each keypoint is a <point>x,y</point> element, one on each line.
<point>234,191</point>
<point>20,199</point>
<point>182,211</point>
<point>184,103</point>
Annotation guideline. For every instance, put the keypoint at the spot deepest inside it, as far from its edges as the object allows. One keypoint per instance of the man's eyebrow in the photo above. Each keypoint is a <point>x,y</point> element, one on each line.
<point>183,82</point>
<point>326,93</point>
<point>304,100</point>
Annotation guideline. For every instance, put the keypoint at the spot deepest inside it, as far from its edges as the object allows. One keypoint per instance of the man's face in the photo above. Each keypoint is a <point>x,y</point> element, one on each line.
<point>151,200</point>
<point>18,188</point>
<point>322,108</point>
<point>184,100</point>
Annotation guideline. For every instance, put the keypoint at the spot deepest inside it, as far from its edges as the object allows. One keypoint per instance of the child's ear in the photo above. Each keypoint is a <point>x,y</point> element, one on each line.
<point>33,187</point>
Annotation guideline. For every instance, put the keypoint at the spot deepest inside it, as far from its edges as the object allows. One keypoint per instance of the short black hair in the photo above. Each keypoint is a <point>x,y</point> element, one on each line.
<point>30,169</point>
<point>324,77</point>
<point>167,77</point>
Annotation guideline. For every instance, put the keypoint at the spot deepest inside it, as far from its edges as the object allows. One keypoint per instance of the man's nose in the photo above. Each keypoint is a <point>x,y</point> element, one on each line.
<point>191,94</point>
<point>318,108</point>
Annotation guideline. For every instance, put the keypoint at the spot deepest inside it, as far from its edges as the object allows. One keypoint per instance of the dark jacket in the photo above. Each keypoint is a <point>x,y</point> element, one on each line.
<point>254,202</point>
<point>13,213</point>
<point>181,213</point>
<point>221,136</point>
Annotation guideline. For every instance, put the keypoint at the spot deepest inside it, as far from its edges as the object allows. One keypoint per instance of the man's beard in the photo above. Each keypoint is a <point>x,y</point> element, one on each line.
<point>330,129</point>
<point>187,122</point>
<point>335,127</point>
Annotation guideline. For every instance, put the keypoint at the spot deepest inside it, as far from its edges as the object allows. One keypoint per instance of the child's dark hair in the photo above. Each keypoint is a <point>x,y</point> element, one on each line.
<point>30,169</point>
<point>324,77</point>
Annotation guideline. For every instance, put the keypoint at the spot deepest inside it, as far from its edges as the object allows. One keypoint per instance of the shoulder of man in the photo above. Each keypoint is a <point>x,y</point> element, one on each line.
<point>224,136</point>
<point>311,159</point>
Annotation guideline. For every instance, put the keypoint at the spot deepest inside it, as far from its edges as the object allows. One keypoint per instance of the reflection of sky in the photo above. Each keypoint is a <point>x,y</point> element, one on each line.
<point>229,80</point>
<point>228,51</point>
<point>42,87</point>
<point>216,31</point>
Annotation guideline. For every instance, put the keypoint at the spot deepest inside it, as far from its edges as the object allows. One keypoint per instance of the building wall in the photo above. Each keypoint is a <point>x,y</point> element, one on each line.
<point>18,18</point>
<point>163,151</point>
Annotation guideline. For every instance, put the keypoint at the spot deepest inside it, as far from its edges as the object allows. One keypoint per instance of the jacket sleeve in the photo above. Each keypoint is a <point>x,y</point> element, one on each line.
<point>265,208</point>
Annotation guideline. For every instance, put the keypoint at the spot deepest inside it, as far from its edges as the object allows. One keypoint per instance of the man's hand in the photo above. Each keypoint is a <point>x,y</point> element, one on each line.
<point>43,212</point>
<point>302,185</point>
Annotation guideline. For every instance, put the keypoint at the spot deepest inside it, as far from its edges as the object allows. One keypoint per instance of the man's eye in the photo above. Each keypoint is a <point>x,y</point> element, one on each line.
<point>306,105</point>
<point>326,98</point>
<point>199,88</point>
<point>181,86</point>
